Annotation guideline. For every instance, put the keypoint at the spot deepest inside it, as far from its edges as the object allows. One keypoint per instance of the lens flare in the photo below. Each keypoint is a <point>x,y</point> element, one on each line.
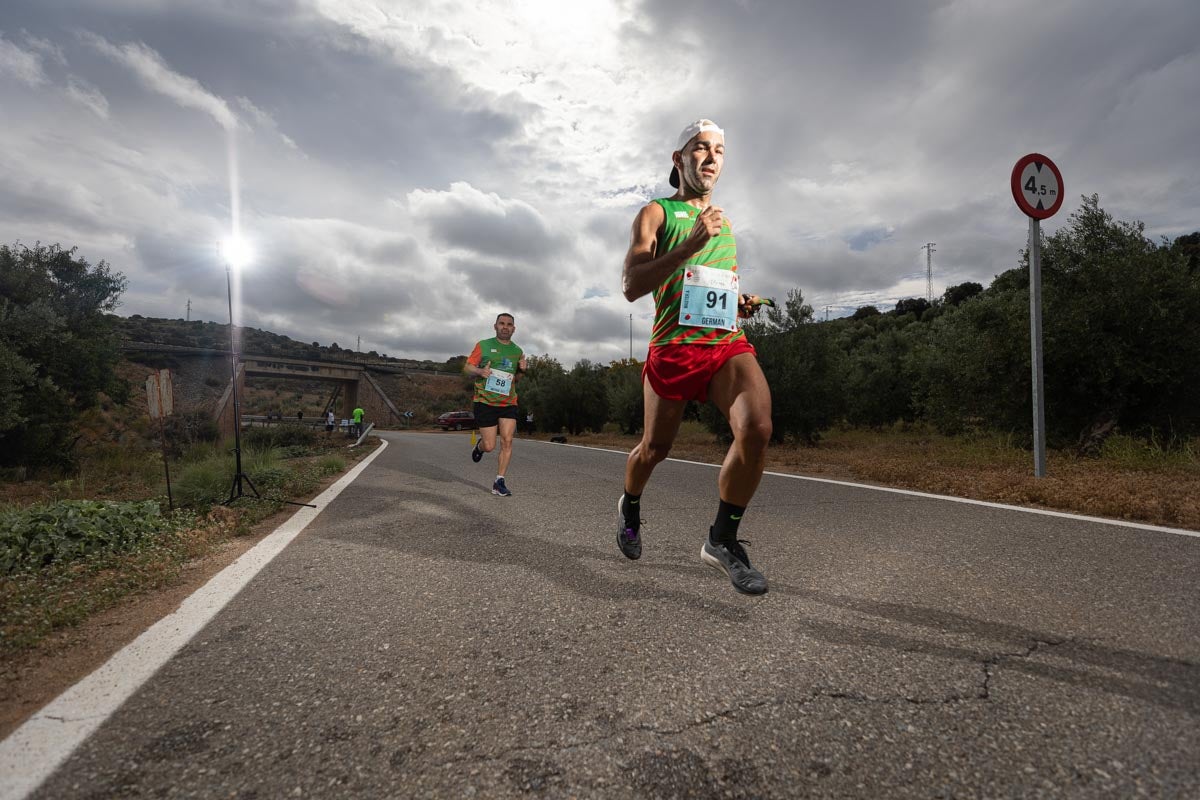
<point>236,251</point>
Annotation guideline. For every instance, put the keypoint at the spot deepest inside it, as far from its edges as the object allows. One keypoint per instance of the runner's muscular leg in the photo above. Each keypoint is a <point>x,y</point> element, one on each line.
<point>662,418</point>
<point>487,439</point>
<point>507,426</point>
<point>740,392</point>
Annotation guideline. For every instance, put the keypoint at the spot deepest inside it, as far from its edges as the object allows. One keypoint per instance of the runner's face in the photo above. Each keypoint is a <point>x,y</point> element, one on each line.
<point>504,328</point>
<point>701,161</point>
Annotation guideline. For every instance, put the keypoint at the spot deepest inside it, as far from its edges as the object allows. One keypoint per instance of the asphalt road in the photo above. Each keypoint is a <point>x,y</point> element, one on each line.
<point>423,638</point>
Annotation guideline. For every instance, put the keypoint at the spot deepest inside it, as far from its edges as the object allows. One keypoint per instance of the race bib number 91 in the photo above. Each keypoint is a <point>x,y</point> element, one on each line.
<point>499,382</point>
<point>710,298</point>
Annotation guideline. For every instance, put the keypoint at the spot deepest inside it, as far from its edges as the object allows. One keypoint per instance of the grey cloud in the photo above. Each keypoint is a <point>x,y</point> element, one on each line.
<point>87,95</point>
<point>156,75</point>
<point>599,324</point>
<point>516,288</point>
<point>469,219</point>
<point>21,64</point>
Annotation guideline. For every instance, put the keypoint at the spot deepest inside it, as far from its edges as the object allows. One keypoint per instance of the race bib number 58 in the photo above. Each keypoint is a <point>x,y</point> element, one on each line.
<point>499,382</point>
<point>710,298</point>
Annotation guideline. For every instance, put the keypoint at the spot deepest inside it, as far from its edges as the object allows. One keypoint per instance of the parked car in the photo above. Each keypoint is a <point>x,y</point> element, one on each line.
<point>456,421</point>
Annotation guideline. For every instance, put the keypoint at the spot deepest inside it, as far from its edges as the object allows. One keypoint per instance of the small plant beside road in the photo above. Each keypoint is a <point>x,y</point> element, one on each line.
<point>65,556</point>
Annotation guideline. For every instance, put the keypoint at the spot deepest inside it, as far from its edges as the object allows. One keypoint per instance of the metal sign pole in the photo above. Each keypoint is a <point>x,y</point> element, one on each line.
<point>1037,187</point>
<point>1035,344</point>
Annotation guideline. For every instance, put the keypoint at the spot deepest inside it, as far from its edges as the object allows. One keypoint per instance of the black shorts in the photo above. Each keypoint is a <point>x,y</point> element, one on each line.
<point>489,416</point>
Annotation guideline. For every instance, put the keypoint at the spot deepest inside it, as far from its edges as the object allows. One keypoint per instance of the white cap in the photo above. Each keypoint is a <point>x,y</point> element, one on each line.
<point>695,129</point>
<point>686,135</point>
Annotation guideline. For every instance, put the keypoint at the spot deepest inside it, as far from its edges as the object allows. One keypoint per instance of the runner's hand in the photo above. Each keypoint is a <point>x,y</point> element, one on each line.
<point>708,224</point>
<point>749,305</point>
<point>522,365</point>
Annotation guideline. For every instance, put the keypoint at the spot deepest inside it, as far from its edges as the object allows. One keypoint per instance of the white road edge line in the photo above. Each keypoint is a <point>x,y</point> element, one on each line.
<point>33,751</point>
<point>1043,511</point>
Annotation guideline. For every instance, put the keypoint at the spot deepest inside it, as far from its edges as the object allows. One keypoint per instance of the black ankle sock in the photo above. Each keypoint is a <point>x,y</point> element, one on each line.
<point>631,509</point>
<point>726,527</point>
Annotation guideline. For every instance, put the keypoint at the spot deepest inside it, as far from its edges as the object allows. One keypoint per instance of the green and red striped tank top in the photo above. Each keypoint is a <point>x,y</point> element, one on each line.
<point>719,253</point>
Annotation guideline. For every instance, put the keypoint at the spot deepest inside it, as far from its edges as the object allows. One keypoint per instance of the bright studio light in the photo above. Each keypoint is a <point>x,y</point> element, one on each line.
<point>236,252</point>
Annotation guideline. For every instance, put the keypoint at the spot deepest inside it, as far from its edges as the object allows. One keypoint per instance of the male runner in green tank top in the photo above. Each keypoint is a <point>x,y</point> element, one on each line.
<point>496,364</point>
<point>682,250</point>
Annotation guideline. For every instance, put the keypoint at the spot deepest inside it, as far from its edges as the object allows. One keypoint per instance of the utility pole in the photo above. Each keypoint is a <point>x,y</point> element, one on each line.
<point>358,346</point>
<point>189,310</point>
<point>929,251</point>
<point>827,313</point>
<point>631,337</point>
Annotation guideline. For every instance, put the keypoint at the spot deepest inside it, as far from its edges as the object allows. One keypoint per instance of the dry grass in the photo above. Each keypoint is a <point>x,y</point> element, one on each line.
<point>1131,481</point>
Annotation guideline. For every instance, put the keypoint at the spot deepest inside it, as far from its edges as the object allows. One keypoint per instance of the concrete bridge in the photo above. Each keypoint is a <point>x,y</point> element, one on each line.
<point>353,384</point>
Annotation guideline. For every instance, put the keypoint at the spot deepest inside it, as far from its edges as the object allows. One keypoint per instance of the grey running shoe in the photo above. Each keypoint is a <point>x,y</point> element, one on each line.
<point>499,488</point>
<point>731,558</point>
<point>628,539</point>
<point>476,453</point>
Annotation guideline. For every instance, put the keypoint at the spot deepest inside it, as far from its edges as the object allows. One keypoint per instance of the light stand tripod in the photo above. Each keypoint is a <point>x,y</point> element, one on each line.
<point>239,477</point>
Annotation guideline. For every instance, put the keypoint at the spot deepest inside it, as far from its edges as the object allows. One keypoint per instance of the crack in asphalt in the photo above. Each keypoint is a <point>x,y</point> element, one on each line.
<point>984,693</point>
<point>709,718</point>
<point>985,689</point>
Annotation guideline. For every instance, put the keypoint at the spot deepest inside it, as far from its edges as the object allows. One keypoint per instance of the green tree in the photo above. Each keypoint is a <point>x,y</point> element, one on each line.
<point>58,349</point>
<point>540,393</point>
<point>1121,338</point>
<point>587,397</point>
<point>1122,320</point>
<point>912,305</point>
<point>957,295</point>
<point>625,395</point>
<point>802,364</point>
<point>863,312</point>
<point>971,368</point>
<point>878,380</point>
<point>1189,247</point>
<point>794,313</point>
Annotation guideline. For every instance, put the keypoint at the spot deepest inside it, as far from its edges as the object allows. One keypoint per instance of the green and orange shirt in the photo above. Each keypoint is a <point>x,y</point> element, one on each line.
<point>698,303</point>
<point>500,389</point>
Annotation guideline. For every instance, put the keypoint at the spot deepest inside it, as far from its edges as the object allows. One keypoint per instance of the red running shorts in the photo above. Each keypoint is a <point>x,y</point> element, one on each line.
<point>683,371</point>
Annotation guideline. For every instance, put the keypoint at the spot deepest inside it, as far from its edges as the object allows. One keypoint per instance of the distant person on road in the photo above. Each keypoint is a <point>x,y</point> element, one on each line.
<point>358,416</point>
<point>682,250</point>
<point>496,364</point>
<point>330,424</point>
<point>529,424</point>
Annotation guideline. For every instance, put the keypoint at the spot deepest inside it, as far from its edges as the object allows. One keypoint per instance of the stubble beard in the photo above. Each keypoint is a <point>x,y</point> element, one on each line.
<point>697,182</point>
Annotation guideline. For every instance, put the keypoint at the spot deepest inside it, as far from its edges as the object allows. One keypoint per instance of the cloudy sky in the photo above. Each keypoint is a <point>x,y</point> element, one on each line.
<point>405,169</point>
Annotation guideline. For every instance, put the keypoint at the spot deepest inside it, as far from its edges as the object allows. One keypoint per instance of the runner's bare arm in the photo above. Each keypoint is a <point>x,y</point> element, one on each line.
<point>643,271</point>
<point>476,366</point>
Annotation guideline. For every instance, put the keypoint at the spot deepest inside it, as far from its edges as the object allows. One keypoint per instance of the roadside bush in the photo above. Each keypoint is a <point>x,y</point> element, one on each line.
<point>187,428</point>
<point>328,465</point>
<point>280,436</point>
<point>68,530</point>
<point>203,482</point>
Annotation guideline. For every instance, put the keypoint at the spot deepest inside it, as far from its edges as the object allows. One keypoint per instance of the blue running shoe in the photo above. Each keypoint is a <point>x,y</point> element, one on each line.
<point>499,488</point>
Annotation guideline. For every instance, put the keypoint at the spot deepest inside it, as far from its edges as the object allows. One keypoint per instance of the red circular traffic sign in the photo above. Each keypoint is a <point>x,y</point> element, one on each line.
<point>1037,186</point>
